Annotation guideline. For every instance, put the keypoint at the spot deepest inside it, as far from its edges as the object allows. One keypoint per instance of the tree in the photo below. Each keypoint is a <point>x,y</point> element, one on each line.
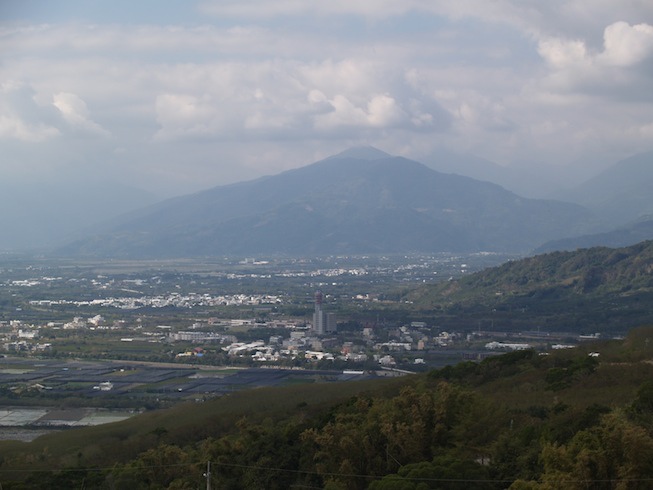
<point>445,472</point>
<point>615,455</point>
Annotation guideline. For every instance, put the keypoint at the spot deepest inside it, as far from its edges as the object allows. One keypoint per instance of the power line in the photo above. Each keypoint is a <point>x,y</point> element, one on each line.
<point>325,474</point>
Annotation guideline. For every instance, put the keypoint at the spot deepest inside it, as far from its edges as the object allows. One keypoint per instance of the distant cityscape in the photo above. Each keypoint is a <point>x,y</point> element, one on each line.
<point>197,327</point>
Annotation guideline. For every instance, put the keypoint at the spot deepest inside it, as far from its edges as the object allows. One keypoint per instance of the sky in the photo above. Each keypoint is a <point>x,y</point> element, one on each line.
<point>175,96</point>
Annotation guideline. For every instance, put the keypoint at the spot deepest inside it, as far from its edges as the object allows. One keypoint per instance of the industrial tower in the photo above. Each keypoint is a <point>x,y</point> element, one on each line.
<point>323,322</point>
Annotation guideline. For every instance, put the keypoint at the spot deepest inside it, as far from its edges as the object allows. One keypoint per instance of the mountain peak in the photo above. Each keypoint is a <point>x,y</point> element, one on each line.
<point>359,202</point>
<point>361,153</point>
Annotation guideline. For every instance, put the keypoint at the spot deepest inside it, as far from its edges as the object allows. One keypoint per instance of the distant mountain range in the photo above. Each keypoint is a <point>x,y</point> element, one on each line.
<point>621,196</point>
<point>538,182</point>
<point>621,193</point>
<point>360,201</point>
<point>634,232</point>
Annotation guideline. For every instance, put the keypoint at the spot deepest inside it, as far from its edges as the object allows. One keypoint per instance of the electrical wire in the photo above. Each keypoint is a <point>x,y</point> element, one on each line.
<point>325,474</point>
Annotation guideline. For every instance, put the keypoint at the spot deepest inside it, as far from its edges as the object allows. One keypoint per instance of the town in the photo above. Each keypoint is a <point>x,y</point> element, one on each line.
<point>73,332</point>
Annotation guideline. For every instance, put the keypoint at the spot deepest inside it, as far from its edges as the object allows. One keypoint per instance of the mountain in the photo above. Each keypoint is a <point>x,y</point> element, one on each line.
<point>621,193</point>
<point>359,201</point>
<point>620,197</point>
<point>632,233</point>
<point>600,288</point>
<point>532,179</point>
<point>532,182</point>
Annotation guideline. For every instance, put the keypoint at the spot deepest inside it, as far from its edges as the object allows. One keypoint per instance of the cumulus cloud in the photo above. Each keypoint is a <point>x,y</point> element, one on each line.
<point>617,69</point>
<point>623,45</point>
<point>380,111</point>
<point>484,113</point>
<point>186,116</point>
<point>14,128</point>
<point>506,80</point>
<point>75,112</point>
<point>561,53</point>
<point>626,45</point>
<point>21,118</point>
<point>289,99</point>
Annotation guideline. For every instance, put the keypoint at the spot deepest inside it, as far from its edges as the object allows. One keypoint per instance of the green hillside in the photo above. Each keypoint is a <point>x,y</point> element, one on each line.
<point>597,289</point>
<point>522,421</point>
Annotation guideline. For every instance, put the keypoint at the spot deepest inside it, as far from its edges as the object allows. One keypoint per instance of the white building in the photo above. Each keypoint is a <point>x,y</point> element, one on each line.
<point>506,346</point>
<point>27,334</point>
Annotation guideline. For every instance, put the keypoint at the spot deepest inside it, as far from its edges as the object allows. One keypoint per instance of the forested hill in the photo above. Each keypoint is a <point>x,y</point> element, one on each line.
<point>606,289</point>
<point>598,270</point>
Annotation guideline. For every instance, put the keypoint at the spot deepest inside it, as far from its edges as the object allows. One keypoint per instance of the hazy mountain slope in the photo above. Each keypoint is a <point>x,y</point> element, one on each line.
<point>360,201</point>
<point>621,193</point>
<point>532,182</point>
<point>630,234</point>
<point>37,215</point>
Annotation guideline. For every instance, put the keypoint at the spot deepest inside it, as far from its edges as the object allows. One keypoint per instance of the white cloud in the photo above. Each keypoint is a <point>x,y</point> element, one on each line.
<point>287,99</point>
<point>75,112</point>
<point>380,111</point>
<point>626,45</point>
<point>560,53</point>
<point>183,112</point>
<point>21,118</point>
<point>623,45</point>
<point>506,79</point>
<point>344,114</point>
<point>615,71</point>
<point>384,112</point>
<point>14,128</point>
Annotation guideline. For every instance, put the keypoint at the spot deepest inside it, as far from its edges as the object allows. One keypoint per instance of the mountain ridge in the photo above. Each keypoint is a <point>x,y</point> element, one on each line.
<point>621,193</point>
<point>623,236</point>
<point>602,288</point>
<point>373,202</point>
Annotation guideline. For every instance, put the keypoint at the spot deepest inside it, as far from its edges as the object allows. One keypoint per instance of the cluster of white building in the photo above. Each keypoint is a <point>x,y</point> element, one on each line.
<point>313,342</point>
<point>23,338</point>
<point>507,346</point>
<point>176,300</point>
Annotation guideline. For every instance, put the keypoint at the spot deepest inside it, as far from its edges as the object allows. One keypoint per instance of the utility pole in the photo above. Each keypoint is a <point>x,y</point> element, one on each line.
<point>208,475</point>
